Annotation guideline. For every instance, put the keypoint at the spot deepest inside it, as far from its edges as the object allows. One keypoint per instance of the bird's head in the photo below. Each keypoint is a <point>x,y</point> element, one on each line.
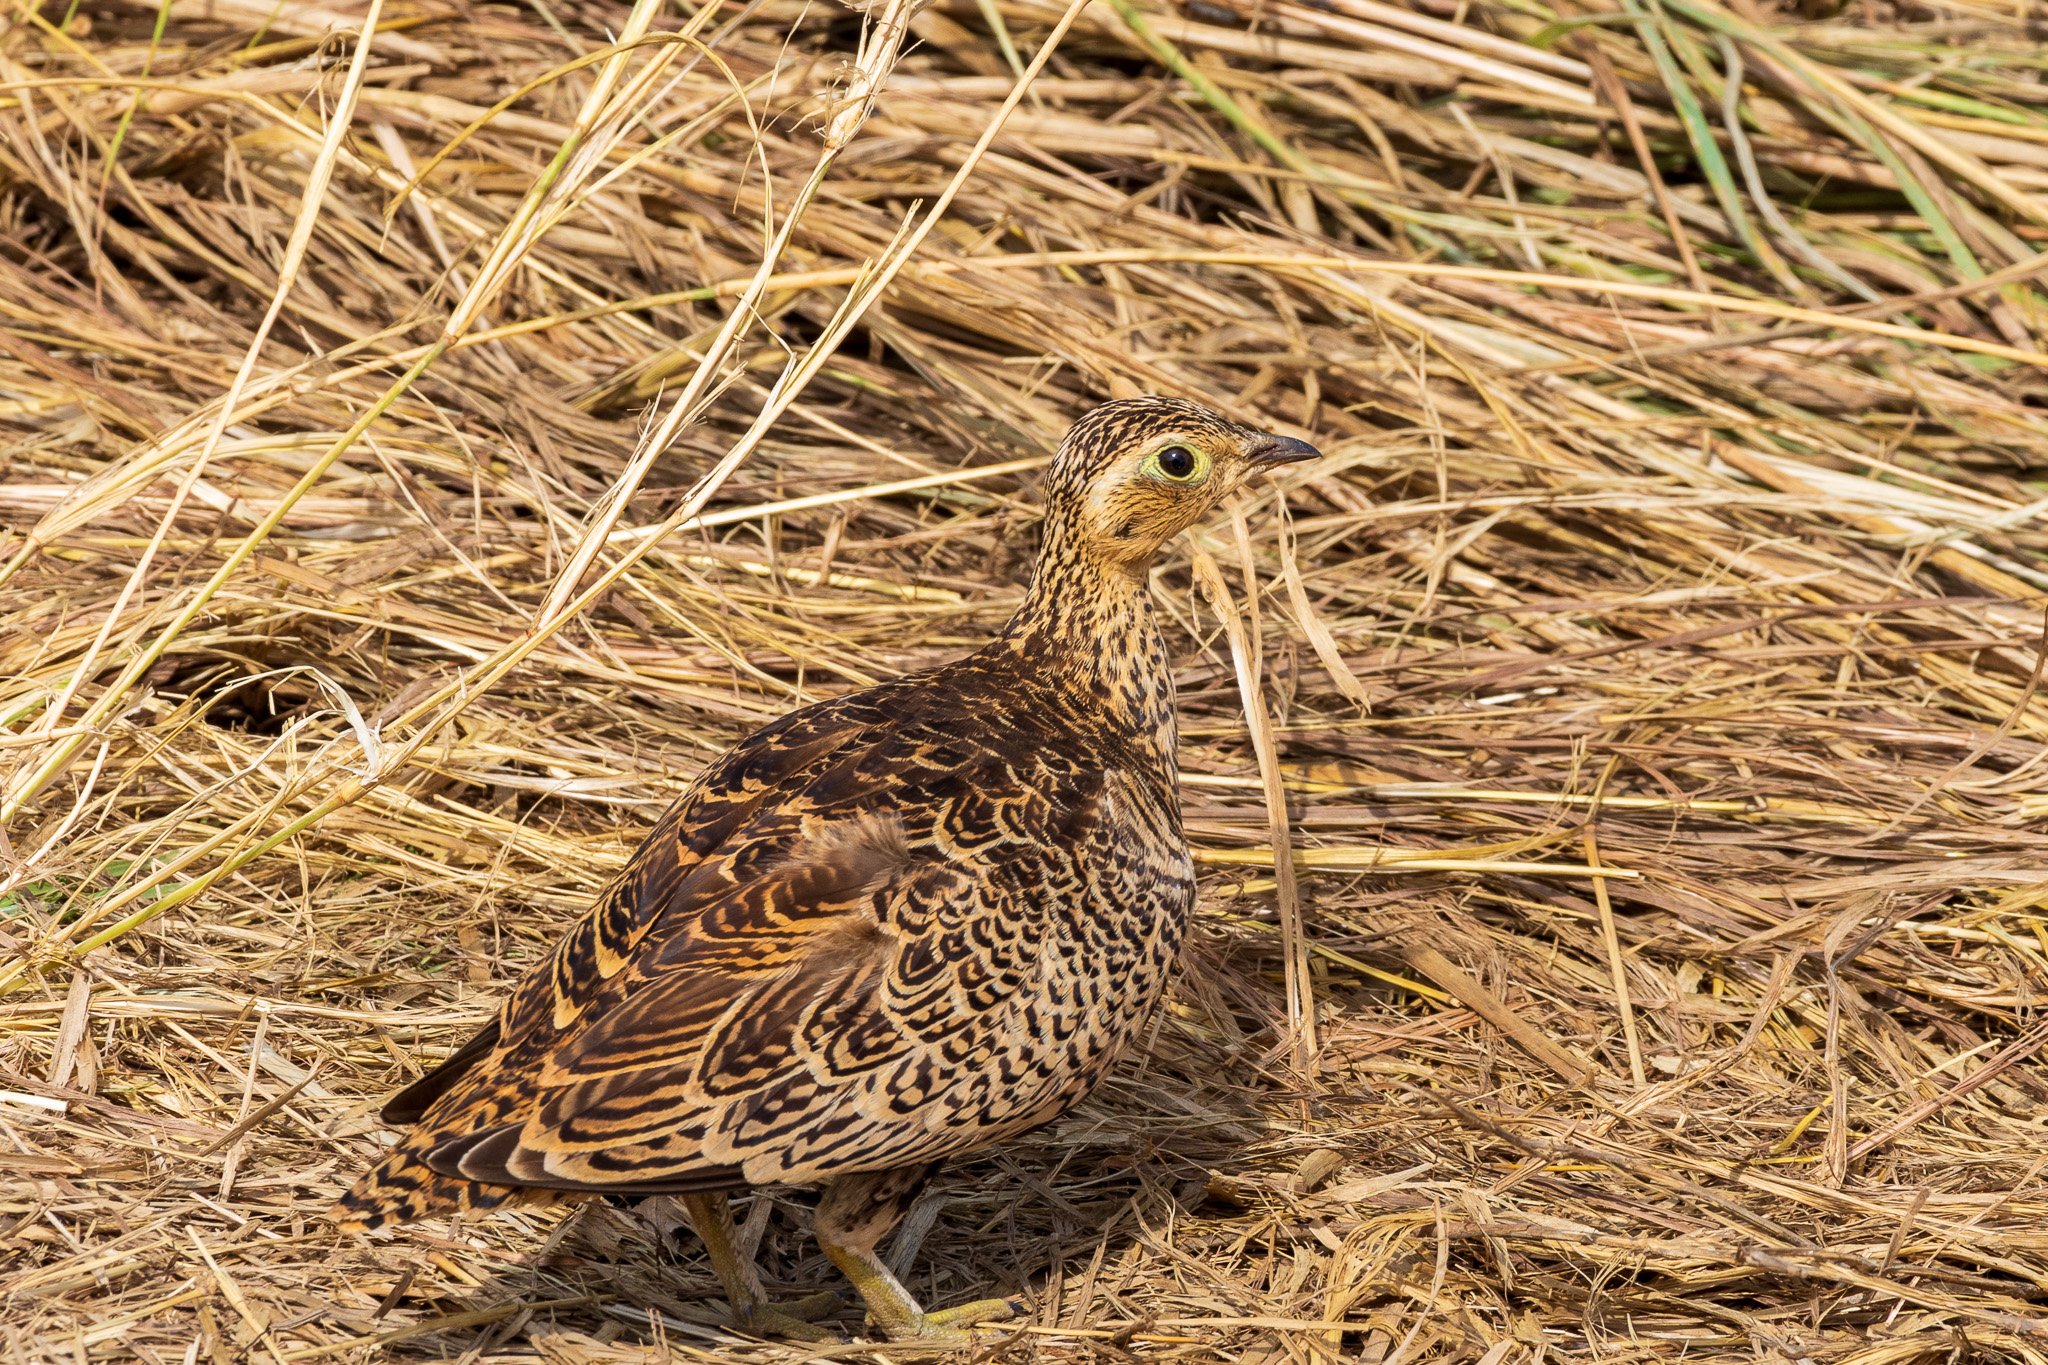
<point>1133,474</point>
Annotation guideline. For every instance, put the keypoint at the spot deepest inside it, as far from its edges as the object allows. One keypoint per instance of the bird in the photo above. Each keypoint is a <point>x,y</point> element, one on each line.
<point>889,928</point>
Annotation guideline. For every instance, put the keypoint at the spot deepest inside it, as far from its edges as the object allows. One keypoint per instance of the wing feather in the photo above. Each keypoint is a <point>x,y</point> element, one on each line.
<point>787,980</point>
<point>410,1103</point>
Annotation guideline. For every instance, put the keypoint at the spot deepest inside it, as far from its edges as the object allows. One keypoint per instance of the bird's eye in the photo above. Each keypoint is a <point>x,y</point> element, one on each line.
<point>1177,463</point>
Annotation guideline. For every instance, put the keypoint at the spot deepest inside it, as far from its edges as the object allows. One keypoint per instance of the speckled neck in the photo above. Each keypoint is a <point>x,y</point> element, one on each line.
<point>1089,630</point>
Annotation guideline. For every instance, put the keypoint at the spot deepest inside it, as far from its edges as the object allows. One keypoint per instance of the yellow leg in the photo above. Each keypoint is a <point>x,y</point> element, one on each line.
<point>856,1213</point>
<point>893,1309</point>
<point>711,1216</point>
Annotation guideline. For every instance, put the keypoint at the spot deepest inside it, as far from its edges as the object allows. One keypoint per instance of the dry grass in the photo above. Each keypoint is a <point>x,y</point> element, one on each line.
<point>1683,524</point>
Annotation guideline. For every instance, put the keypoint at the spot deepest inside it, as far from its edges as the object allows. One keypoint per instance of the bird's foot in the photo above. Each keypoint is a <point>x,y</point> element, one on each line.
<point>794,1319</point>
<point>954,1324</point>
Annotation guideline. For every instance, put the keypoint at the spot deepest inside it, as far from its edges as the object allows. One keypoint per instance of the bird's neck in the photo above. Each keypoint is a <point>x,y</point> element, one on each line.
<point>1088,631</point>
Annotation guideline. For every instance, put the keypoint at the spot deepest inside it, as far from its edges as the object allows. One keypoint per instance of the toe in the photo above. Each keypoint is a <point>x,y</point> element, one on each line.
<point>770,1322</point>
<point>950,1321</point>
<point>792,1319</point>
<point>811,1307</point>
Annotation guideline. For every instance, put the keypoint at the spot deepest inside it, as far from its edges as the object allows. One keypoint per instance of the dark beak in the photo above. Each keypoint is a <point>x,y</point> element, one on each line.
<point>1278,450</point>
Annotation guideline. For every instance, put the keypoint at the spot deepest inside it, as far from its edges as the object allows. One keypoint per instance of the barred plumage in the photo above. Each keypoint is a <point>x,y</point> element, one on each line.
<point>886,929</point>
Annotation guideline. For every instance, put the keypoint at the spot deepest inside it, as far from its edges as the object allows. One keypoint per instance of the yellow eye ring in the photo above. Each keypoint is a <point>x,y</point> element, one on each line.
<point>1178,463</point>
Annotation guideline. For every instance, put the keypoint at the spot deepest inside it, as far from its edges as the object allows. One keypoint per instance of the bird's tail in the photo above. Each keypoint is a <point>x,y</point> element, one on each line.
<point>402,1188</point>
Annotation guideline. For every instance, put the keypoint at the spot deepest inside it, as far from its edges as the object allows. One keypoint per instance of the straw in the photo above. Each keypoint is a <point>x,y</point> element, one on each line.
<point>1615,780</point>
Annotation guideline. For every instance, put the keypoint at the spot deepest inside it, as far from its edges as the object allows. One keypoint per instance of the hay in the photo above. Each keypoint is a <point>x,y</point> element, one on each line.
<point>1651,671</point>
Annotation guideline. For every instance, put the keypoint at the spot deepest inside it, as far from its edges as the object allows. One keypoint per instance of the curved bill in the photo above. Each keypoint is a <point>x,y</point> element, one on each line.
<point>1279,450</point>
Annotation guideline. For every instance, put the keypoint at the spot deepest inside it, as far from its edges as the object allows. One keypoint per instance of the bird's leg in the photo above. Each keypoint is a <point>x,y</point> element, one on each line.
<point>857,1212</point>
<point>711,1216</point>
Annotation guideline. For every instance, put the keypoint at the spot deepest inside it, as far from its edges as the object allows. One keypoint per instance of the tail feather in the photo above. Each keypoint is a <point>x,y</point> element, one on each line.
<point>403,1188</point>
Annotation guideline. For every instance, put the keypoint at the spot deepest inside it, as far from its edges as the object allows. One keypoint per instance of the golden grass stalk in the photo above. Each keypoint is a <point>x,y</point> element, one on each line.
<point>1616,778</point>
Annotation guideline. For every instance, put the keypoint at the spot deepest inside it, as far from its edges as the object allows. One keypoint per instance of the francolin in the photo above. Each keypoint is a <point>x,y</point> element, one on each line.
<point>889,928</point>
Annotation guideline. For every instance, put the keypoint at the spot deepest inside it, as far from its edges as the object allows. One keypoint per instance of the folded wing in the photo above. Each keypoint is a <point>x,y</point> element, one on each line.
<point>791,979</point>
